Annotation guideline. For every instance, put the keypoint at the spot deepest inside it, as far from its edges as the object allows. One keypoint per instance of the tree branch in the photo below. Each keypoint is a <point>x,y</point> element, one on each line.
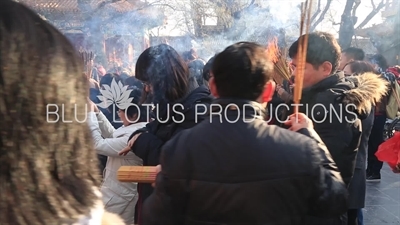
<point>346,30</point>
<point>177,24</point>
<point>322,16</point>
<point>356,5</point>
<point>373,4</point>
<point>371,15</point>
<point>316,12</point>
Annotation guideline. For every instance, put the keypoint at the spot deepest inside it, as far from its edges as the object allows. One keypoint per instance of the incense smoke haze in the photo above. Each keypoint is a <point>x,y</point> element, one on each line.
<point>265,18</point>
<point>257,23</point>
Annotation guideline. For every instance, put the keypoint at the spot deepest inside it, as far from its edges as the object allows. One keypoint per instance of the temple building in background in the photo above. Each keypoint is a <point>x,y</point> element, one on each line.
<point>116,30</point>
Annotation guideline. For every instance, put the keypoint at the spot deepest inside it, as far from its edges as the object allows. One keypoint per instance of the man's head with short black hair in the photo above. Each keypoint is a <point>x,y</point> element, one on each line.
<point>242,71</point>
<point>323,55</point>
<point>207,69</point>
<point>351,54</point>
<point>380,63</point>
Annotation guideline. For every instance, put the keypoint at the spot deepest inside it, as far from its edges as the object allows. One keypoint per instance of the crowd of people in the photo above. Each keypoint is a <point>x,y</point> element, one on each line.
<point>301,168</point>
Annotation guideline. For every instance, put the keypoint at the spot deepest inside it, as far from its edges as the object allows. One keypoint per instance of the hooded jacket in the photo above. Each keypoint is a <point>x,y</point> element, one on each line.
<point>337,105</point>
<point>118,197</point>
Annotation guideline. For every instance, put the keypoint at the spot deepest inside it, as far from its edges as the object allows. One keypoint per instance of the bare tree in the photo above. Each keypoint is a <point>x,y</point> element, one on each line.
<point>349,20</point>
<point>372,14</point>
<point>346,30</point>
<point>320,14</point>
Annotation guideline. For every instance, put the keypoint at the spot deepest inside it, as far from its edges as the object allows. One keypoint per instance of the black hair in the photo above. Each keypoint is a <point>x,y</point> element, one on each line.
<point>124,75</point>
<point>134,82</point>
<point>196,70</point>
<point>164,70</point>
<point>322,47</point>
<point>360,67</point>
<point>207,69</point>
<point>109,77</point>
<point>136,108</point>
<point>381,61</point>
<point>242,70</point>
<point>355,53</point>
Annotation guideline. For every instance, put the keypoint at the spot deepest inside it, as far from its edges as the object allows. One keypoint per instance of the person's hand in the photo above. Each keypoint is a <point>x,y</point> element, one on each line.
<point>277,87</point>
<point>93,83</point>
<point>92,106</point>
<point>299,121</point>
<point>158,169</point>
<point>126,150</point>
<point>133,139</point>
<point>281,91</point>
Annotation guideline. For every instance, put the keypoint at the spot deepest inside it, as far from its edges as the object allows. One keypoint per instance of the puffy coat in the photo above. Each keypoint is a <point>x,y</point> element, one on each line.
<point>246,172</point>
<point>119,198</point>
<point>337,105</point>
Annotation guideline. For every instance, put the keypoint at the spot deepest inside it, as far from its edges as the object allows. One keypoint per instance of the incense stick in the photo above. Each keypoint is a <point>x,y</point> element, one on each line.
<point>281,67</point>
<point>87,58</point>
<point>305,21</point>
<point>140,174</point>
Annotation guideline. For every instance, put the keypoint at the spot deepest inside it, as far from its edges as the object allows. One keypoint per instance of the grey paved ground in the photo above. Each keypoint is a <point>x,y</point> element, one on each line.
<point>383,200</point>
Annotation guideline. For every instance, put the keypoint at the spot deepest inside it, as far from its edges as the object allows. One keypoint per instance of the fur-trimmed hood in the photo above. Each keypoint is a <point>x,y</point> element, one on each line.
<point>369,89</point>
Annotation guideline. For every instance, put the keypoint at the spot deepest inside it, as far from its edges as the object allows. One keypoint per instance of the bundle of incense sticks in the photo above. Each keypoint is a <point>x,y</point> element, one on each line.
<point>87,58</point>
<point>302,52</point>
<point>139,174</point>
<point>281,66</point>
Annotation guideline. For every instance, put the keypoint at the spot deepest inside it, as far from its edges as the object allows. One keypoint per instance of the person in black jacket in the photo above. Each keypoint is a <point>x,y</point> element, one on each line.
<point>357,187</point>
<point>234,168</point>
<point>336,104</point>
<point>166,79</point>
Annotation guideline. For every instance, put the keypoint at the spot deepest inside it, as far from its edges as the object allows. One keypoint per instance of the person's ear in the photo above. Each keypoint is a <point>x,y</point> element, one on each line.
<point>326,68</point>
<point>269,90</point>
<point>213,86</point>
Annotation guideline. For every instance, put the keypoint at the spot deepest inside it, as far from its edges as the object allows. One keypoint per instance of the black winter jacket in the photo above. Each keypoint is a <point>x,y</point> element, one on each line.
<point>342,133</point>
<point>156,133</point>
<point>244,173</point>
<point>337,105</point>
